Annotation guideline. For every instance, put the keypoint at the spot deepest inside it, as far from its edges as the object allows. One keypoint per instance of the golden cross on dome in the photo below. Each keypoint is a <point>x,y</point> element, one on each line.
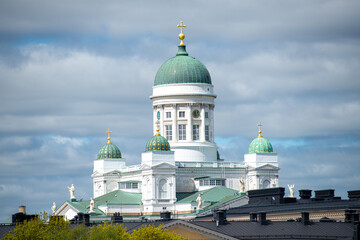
<point>157,128</point>
<point>260,125</point>
<point>108,132</point>
<point>181,35</point>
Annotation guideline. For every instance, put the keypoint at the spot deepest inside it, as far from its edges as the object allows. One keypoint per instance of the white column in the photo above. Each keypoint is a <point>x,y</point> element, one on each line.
<point>162,126</point>
<point>153,187</point>
<point>154,119</point>
<point>174,124</point>
<point>211,127</point>
<point>189,124</point>
<point>202,128</point>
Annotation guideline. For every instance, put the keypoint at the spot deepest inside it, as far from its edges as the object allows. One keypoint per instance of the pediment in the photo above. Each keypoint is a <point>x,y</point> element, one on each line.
<point>158,166</point>
<point>64,208</point>
<point>113,173</point>
<point>164,165</point>
<point>267,167</point>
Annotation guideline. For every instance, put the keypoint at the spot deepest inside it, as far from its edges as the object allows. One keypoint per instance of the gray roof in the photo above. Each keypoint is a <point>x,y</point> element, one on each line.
<point>281,230</point>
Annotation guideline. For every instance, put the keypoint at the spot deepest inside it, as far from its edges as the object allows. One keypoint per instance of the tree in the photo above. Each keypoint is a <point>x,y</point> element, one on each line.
<point>150,232</point>
<point>57,228</point>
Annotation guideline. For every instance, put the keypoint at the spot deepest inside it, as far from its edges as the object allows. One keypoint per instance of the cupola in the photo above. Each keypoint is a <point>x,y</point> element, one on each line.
<point>157,142</point>
<point>109,150</point>
<point>260,144</point>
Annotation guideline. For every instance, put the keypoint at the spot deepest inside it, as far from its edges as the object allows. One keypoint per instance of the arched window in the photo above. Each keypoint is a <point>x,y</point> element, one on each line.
<point>163,189</point>
<point>266,184</point>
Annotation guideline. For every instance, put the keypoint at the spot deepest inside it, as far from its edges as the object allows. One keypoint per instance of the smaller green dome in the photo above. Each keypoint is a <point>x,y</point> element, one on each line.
<point>260,145</point>
<point>157,143</point>
<point>109,150</point>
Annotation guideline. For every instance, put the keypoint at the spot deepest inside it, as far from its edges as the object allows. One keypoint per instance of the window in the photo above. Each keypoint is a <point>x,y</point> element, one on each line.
<point>220,182</point>
<point>196,132</point>
<point>207,133</point>
<point>206,114</point>
<point>266,184</point>
<point>181,114</point>
<point>168,132</point>
<point>129,185</point>
<point>212,182</point>
<point>182,132</point>
<point>168,114</point>
<point>163,189</point>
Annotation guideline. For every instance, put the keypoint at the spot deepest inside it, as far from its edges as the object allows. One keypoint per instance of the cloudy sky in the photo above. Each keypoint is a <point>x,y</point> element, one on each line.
<point>71,69</point>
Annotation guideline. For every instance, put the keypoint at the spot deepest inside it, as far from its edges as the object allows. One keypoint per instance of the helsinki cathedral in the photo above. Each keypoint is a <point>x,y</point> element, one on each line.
<point>181,170</point>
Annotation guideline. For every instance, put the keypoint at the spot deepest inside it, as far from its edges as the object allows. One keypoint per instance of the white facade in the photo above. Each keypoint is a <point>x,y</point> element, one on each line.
<point>185,116</point>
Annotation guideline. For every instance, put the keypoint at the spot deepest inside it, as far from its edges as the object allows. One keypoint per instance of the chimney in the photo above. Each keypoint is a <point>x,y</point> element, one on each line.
<point>351,216</point>
<point>305,218</point>
<point>220,217</point>
<point>87,219</point>
<point>117,218</point>
<point>81,217</point>
<point>262,218</point>
<point>325,194</point>
<point>22,209</point>
<point>305,193</point>
<point>253,217</point>
<point>165,215</point>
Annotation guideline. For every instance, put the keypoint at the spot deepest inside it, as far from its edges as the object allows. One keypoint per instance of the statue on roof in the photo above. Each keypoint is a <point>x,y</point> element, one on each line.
<point>53,208</point>
<point>291,189</point>
<point>92,206</point>
<point>242,184</point>
<point>199,201</point>
<point>71,191</point>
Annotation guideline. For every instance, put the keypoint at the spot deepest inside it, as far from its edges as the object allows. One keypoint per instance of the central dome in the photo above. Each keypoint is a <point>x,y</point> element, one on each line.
<point>182,69</point>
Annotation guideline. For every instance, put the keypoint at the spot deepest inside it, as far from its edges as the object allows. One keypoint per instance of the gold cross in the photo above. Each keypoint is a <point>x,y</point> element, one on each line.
<point>108,132</point>
<point>181,35</point>
<point>181,26</point>
<point>259,125</point>
<point>157,128</point>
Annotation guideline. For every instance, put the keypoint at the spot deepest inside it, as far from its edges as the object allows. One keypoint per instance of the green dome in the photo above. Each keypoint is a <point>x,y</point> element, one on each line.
<point>260,145</point>
<point>182,69</point>
<point>109,150</point>
<point>157,143</point>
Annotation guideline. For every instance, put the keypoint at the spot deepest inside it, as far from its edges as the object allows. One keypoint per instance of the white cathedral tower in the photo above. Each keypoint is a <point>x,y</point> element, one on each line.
<point>183,101</point>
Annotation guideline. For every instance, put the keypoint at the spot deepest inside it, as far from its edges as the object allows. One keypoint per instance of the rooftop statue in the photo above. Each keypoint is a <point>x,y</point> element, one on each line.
<point>53,208</point>
<point>242,184</point>
<point>71,191</point>
<point>199,201</point>
<point>92,206</point>
<point>291,189</point>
